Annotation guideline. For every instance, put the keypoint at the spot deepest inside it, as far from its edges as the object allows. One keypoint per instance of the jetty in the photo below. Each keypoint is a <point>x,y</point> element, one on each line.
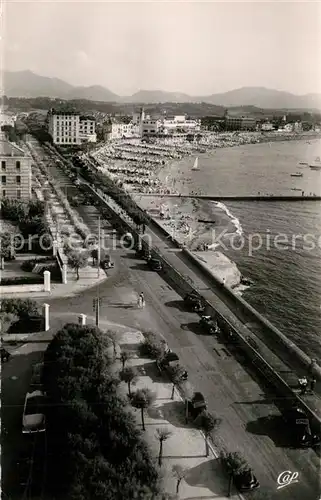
<point>233,198</point>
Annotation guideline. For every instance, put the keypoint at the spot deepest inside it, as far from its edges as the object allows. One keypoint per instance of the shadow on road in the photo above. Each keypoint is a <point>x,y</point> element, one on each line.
<point>272,426</point>
<point>193,327</point>
<point>177,304</point>
<point>141,267</point>
<point>15,380</point>
<point>208,474</point>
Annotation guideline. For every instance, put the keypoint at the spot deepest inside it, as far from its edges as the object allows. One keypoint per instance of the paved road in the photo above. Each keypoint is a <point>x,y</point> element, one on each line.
<point>251,422</point>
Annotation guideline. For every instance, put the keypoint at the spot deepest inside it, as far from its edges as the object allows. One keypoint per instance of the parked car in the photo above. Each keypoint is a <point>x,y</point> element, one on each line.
<point>36,377</point>
<point>5,355</point>
<point>107,263</point>
<point>194,302</point>
<point>208,324</point>
<point>196,404</point>
<point>298,423</point>
<point>245,480</point>
<point>33,418</point>
<point>155,264</point>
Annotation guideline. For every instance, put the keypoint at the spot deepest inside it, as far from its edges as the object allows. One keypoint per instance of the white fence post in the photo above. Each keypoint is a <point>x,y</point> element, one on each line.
<point>46,316</point>
<point>46,278</point>
<point>64,274</point>
<point>82,319</point>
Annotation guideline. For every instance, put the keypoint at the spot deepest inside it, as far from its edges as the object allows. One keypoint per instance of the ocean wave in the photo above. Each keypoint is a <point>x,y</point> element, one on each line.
<point>235,221</point>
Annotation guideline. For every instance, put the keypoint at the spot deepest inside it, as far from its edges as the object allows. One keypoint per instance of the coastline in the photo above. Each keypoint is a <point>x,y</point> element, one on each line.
<point>182,218</point>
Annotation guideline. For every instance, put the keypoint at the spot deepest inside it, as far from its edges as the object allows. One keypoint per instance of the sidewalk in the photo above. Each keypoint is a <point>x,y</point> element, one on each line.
<point>88,279</point>
<point>204,477</point>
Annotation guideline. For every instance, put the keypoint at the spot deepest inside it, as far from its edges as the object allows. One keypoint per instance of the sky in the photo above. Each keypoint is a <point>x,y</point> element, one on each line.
<point>198,48</point>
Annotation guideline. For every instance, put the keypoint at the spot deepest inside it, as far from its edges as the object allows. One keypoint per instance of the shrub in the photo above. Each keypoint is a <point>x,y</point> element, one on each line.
<point>19,307</point>
<point>22,280</point>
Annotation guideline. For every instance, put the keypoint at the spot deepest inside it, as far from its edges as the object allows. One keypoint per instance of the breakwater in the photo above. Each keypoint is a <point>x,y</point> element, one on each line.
<point>212,197</point>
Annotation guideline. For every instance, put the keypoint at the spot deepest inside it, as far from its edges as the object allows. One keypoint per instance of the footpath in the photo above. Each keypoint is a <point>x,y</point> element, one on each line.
<point>185,447</point>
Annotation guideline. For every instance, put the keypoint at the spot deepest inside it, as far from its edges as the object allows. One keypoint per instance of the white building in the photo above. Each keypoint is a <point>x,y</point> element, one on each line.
<point>15,171</point>
<point>267,126</point>
<point>6,119</point>
<point>124,131</point>
<point>71,128</point>
<point>150,127</point>
<point>167,126</point>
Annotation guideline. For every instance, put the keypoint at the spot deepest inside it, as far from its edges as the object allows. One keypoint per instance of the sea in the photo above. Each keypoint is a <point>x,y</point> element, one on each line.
<point>276,245</point>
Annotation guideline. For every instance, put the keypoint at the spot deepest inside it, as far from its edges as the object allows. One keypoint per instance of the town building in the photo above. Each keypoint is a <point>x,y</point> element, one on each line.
<point>71,128</point>
<point>239,123</point>
<point>15,171</point>
<point>7,119</point>
<point>267,126</point>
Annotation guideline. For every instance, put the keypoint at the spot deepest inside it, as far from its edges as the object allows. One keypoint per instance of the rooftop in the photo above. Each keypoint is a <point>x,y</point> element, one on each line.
<point>10,149</point>
<point>87,117</point>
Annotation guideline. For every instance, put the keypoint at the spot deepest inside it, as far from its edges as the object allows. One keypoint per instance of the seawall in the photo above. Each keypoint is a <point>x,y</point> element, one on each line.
<point>183,285</point>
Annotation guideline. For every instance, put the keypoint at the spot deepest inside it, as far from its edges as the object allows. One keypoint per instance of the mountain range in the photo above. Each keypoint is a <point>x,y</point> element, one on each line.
<point>28,84</point>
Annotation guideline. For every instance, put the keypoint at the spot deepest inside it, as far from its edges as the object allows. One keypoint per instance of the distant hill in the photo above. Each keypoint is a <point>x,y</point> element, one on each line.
<point>156,96</point>
<point>262,97</point>
<point>28,84</point>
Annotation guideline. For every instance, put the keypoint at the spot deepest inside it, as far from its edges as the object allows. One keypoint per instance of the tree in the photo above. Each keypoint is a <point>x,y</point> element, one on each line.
<point>124,357</point>
<point>77,260</point>
<point>233,463</point>
<point>176,374</point>
<point>143,399</point>
<point>179,473</point>
<point>207,423</point>
<point>113,336</point>
<point>89,427</point>
<point>152,346</point>
<point>129,375</point>
<point>162,435</point>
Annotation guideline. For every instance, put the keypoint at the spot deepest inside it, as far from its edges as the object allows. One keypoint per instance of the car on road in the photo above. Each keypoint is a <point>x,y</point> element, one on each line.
<point>33,418</point>
<point>245,480</point>
<point>194,302</point>
<point>300,430</point>
<point>36,377</point>
<point>5,355</point>
<point>155,264</point>
<point>208,324</point>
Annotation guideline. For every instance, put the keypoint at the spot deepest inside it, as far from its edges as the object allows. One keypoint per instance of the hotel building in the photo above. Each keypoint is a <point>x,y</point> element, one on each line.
<point>70,128</point>
<point>15,171</point>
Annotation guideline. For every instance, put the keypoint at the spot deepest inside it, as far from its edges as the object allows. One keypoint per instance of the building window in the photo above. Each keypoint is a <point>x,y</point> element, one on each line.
<point>18,165</point>
<point>4,193</point>
<point>18,193</point>
<point>18,179</point>
<point>3,165</point>
<point>4,179</point>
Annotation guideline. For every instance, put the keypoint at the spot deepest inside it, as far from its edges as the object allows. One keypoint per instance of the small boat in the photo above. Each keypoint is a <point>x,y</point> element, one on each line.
<point>202,221</point>
<point>195,166</point>
<point>296,189</point>
<point>303,163</point>
<point>316,165</point>
<point>297,174</point>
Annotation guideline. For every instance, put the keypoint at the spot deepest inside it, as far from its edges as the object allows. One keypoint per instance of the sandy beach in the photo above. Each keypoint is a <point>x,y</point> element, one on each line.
<point>165,167</point>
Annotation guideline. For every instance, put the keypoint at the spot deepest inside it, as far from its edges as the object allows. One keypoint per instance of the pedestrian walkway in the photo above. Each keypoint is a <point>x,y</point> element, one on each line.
<point>204,477</point>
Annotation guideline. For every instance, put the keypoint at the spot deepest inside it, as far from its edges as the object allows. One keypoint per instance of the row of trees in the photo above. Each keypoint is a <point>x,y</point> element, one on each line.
<point>95,448</point>
<point>154,347</point>
<point>111,189</point>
